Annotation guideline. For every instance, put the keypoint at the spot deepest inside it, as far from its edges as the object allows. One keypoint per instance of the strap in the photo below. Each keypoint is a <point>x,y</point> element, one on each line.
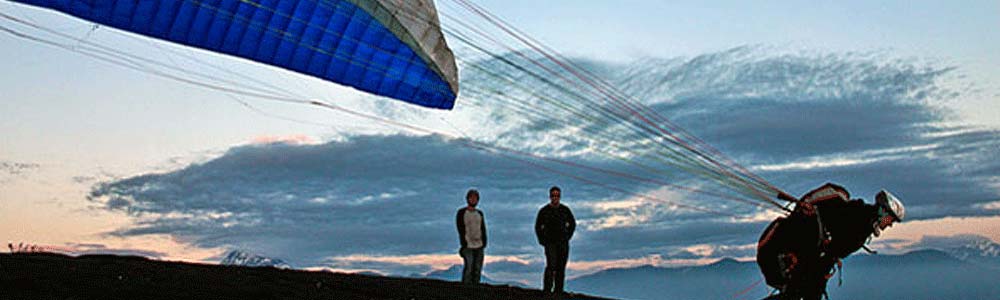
<point>840,273</point>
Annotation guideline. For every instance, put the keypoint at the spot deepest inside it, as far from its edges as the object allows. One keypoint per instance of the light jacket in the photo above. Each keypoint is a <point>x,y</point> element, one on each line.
<point>460,223</point>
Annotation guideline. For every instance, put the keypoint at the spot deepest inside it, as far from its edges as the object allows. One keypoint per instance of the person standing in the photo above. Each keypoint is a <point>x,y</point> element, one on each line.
<point>472,236</point>
<point>554,228</point>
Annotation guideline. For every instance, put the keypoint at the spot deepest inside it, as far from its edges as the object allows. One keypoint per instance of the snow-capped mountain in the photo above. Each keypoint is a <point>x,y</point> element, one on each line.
<point>243,258</point>
<point>983,252</point>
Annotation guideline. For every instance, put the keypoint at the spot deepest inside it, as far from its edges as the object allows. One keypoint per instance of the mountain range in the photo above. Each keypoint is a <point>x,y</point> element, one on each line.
<point>454,273</point>
<point>966,272</point>
<point>982,252</point>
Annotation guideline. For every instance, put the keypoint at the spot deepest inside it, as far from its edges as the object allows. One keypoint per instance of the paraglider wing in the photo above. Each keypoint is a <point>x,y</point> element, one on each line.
<point>392,48</point>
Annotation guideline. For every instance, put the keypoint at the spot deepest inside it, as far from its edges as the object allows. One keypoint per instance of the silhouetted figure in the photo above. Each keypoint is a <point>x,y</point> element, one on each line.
<point>798,253</point>
<point>554,227</point>
<point>472,235</point>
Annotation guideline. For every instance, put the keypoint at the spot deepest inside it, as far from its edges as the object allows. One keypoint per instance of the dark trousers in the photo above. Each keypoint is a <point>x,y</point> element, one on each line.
<point>810,286</point>
<point>556,256</point>
<point>473,259</point>
<point>807,281</point>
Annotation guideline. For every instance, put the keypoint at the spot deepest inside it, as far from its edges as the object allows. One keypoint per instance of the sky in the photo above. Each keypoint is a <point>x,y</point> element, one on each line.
<point>901,95</point>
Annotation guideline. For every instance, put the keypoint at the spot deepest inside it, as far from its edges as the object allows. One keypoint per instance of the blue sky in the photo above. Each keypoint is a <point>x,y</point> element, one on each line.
<point>99,157</point>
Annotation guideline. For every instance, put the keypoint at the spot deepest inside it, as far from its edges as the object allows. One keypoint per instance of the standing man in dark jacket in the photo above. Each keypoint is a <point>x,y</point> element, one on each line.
<point>554,227</point>
<point>472,236</point>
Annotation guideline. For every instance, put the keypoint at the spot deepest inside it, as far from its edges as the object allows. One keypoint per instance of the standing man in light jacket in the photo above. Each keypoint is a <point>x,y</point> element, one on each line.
<point>554,227</point>
<point>472,235</point>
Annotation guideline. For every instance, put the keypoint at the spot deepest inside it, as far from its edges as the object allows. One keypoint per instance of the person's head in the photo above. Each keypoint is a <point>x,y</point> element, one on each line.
<point>554,195</point>
<point>890,210</point>
<point>472,197</point>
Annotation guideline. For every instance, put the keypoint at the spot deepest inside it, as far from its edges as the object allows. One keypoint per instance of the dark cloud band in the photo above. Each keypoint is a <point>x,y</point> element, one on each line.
<point>871,123</point>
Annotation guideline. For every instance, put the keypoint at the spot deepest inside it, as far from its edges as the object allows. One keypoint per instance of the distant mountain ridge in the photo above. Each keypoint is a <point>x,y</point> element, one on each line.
<point>247,259</point>
<point>983,252</point>
<point>454,273</point>
<point>922,274</point>
<point>718,280</point>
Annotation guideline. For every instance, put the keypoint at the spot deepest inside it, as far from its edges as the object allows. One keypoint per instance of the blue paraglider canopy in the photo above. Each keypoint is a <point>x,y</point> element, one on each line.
<point>388,48</point>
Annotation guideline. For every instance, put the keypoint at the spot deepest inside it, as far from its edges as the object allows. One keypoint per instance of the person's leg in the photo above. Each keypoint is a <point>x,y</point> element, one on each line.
<point>467,260</point>
<point>550,260</point>
<point>807,281</point>
<point>477,265</point>
<point>816,289</point>
<point>562,254</point>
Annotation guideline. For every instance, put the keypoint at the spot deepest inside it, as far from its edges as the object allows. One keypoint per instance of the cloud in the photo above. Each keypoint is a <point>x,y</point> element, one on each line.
<point>10,170</point>
<point>15,168</point>
<point>714,251</point>
<point>407,265</point>
<point>665,238</point>
<point>309,202</point>
<point>798,120</point>
<point>995,205</point>
<point>291,139</point>
<point>865,120</point>
<point>801,120</point>
<point>514,266</point>
<point>83,249</point>
<point>400,265</point>
<point>94,248</point>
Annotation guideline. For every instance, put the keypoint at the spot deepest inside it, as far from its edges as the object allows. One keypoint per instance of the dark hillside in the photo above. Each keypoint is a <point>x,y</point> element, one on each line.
<point>40,276</point>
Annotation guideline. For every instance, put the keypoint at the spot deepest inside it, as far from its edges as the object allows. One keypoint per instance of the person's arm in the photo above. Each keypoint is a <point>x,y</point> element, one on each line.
<point>460,223</point>
<point>855,228</point>
<point>483,217</point>
<point>540,227</point>
<point>571,226</point>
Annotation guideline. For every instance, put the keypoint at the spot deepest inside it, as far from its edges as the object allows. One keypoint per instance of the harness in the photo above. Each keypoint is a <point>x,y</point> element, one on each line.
<point>807,207</point>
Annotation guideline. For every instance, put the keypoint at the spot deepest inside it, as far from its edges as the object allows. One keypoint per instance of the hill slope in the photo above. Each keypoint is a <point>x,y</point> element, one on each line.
<point>53,276</point>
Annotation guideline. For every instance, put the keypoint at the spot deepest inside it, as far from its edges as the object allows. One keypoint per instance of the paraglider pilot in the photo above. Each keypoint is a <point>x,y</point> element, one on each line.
<point>798,253</point>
